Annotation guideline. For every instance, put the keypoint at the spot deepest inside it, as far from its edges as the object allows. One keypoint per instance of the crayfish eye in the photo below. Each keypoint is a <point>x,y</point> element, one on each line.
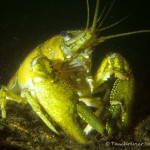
<point>65,35</point>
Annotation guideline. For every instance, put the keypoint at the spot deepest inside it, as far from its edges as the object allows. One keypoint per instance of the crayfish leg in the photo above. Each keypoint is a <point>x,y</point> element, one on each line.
<point>6,94</point>
<point>86,114</point>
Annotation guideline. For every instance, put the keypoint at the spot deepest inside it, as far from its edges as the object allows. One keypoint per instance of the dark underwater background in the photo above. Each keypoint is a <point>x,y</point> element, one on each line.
<point>26,24</point>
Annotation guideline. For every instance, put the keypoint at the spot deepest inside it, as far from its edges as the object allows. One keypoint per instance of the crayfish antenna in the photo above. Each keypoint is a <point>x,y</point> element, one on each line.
<point>94,25</point>
<point>88,14</point>
<point>104,18</point>
<point>104,38</point>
